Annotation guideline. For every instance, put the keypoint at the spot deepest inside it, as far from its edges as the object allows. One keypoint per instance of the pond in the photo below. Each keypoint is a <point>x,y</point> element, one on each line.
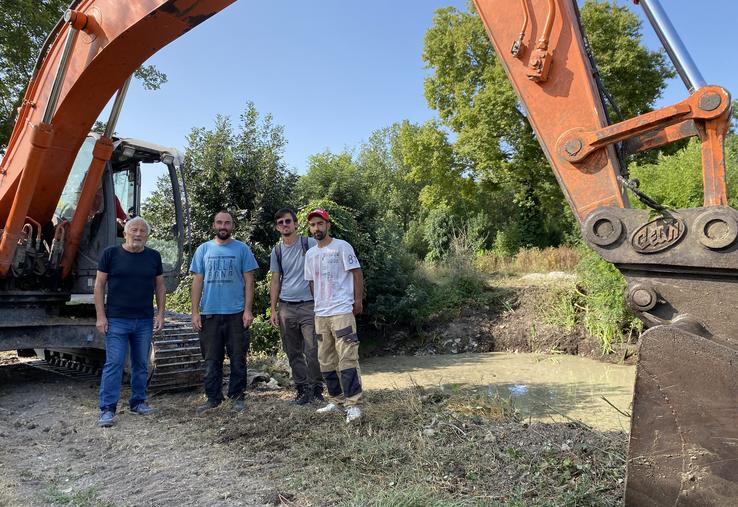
<point>545,388</point>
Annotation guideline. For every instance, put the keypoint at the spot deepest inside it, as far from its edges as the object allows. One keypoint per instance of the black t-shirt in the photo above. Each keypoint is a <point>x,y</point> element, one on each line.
<point>131,281</point>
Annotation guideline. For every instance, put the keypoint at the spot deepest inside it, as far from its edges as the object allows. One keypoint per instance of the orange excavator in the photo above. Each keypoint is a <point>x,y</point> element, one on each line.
<point>64,192</point>
<point>680,267</point>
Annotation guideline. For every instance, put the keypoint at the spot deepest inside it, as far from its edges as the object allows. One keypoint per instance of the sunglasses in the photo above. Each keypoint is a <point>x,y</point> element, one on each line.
<point>284,221</point>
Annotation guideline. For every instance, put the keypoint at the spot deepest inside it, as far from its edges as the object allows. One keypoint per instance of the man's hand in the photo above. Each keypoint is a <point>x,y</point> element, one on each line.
<point>358,306</point>
<point>158,323</point>
<point>274,317</point>
<point>248,318</point>
<point>196,321</point>
<point>102,324</point>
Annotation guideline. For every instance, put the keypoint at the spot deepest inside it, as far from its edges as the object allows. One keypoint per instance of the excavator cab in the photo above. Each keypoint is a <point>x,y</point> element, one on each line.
<point>118,199</point>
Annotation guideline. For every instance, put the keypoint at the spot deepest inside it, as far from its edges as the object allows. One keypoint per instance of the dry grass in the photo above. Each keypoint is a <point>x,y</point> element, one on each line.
<point>421,447</point>
<point>531,260</point>
<point>415,448</point>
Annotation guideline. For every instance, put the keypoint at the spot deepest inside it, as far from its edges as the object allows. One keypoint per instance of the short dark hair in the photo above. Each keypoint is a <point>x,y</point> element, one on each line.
<point>284,211</point>
<point>233,219</point>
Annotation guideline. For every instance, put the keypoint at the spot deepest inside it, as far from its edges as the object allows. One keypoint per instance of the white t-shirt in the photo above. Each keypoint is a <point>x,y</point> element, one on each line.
<point>329,268</point>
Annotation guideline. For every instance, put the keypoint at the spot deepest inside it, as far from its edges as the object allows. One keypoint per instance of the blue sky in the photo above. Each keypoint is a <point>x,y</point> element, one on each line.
<point>332,72</point>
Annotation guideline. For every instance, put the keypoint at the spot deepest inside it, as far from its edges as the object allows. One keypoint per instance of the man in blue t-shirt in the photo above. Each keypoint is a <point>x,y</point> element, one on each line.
<point>132,274</point>
<point>222,299</point>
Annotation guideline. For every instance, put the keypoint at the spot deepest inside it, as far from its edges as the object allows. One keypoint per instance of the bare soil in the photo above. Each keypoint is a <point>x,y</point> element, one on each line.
<point>415,447</point>
<point>511,320</point>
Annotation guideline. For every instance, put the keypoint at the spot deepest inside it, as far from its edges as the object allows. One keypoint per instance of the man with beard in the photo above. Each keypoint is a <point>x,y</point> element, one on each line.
<point>335,277</point>
<point>295,314</point>
<point>222,300</point>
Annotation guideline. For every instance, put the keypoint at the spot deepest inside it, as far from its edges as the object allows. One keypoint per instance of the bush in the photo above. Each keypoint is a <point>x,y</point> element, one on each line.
<point>602,291</point>
<point>179,301</point>
<point>265,338</point>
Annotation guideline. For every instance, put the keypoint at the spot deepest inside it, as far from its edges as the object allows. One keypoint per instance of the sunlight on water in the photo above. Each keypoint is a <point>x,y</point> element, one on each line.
<point>546,388</point>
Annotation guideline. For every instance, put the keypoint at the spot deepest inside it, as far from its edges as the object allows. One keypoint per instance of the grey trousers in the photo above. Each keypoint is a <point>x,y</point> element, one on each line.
<point>297,327</point>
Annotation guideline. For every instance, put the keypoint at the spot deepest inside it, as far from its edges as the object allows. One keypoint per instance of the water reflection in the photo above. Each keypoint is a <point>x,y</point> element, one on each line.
<point>543,388</point>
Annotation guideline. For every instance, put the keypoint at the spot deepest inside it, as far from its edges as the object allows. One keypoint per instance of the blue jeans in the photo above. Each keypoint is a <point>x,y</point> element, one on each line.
<point>123,333</point>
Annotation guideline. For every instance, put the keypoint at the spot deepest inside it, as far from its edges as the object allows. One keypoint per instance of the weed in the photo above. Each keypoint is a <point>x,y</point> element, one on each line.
<point>88,497</point>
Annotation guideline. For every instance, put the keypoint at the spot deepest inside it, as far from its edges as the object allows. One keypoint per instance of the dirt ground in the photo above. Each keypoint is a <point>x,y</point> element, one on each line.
<point>416,448</point>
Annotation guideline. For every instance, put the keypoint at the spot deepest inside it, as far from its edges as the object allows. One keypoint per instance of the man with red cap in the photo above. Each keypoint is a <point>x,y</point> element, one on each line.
<point>336,280</point>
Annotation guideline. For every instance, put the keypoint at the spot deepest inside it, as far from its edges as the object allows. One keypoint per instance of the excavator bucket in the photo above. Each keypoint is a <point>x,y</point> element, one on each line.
<point>684,431</point>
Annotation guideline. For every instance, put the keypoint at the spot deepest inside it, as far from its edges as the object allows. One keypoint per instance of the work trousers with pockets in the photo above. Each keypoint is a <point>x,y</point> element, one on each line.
<point>221,333</point>
<point>297,327</point>
<point>338,353</point>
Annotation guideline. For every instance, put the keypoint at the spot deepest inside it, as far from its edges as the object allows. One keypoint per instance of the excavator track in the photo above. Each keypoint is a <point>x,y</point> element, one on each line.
<point>176,358</point>
<point>175,362</point>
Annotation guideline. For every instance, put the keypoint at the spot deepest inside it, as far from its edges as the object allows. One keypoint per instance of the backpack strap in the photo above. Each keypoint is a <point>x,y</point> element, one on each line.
<point>305,245</point>
<point>278,254</point>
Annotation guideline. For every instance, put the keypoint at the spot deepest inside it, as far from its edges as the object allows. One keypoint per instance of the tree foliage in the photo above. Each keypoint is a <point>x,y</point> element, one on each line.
<point>24,26</point>
<point>494,145</point>
<point>240,170</point>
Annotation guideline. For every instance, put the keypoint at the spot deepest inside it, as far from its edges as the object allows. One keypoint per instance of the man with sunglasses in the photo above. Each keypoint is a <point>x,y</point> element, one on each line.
<point>292,308</point>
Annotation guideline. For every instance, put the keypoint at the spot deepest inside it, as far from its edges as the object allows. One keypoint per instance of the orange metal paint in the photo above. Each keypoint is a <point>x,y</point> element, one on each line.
<point>127,35</point>
<point>41,138</point>
<point>101,153</point>
<point>568,98</point>
<point>540,59</point>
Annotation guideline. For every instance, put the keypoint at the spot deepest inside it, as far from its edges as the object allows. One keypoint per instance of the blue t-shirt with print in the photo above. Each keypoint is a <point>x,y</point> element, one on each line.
<point>222,267</point>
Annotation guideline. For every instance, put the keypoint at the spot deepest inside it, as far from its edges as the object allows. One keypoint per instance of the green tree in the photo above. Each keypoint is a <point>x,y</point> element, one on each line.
<point>24,26</point>
<point>469,89</point>
<point>238,170</point>
<point>382,165</point>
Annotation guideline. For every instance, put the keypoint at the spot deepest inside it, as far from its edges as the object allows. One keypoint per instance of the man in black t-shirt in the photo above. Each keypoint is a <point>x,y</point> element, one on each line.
<point>133,274</point>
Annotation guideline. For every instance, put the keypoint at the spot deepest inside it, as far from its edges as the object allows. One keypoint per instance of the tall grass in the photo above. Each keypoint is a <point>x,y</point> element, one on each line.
<point>530,260</point>
<point>603,302</point>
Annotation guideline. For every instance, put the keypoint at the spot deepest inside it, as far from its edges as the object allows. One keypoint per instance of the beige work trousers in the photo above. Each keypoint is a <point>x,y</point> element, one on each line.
<point>338,354</point>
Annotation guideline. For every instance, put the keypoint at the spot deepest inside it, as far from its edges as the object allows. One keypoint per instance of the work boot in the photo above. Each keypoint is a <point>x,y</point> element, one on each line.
<point>209,405</point>
<point>318,393</point>
<point>143,409</point>
<point>304,395</point>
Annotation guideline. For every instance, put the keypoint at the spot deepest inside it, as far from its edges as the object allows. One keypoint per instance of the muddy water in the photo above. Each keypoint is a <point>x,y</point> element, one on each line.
<point>542,387</point>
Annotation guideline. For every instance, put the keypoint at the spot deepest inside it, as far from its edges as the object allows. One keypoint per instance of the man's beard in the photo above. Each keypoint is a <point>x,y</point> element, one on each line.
<point>287,234</point>
<point>319,235</point>
<point>224,234</point>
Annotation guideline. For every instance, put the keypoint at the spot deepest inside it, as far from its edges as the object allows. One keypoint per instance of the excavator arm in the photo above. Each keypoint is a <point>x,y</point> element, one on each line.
<point>88,57</point>
<point>681,267</point>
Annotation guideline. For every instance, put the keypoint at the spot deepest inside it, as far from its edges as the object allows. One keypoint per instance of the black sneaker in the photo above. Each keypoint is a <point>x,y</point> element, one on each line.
<point>318,393</point>
<point>239,404</point>
<point>304,396</point>
<point>209,405</point>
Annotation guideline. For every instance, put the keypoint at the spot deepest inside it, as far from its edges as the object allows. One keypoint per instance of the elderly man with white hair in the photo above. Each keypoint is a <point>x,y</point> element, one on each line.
<point>132,274</point>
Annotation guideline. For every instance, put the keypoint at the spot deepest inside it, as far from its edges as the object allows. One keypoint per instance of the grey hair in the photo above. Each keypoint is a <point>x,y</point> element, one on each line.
<point>129,224</point>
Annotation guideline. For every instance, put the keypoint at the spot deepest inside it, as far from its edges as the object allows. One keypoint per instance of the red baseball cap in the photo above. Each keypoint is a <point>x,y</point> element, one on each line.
<point>319,212</point>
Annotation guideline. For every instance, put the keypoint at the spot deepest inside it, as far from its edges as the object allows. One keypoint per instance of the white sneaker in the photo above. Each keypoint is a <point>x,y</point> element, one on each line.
<point>353,414</point>
<point>331,407</point>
